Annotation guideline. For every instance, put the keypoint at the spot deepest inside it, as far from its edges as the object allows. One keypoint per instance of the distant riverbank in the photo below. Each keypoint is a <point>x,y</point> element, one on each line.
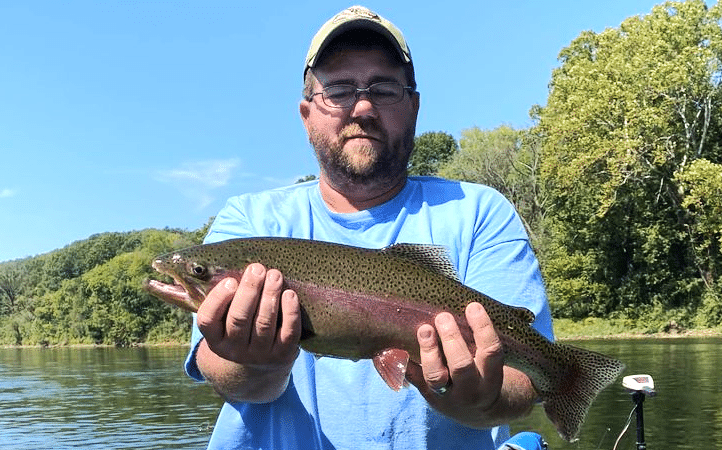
<point>595,328</point>
<point>564,329</point>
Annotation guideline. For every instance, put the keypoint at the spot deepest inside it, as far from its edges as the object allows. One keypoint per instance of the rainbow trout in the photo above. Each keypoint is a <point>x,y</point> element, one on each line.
<point>359,303</point>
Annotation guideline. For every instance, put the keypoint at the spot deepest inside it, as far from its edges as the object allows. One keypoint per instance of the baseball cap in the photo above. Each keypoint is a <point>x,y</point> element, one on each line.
<point>356,17</point>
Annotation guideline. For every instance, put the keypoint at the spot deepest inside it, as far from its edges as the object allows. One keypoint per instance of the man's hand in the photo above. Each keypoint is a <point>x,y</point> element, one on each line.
<point>247,354</point>
<point>476,390</point>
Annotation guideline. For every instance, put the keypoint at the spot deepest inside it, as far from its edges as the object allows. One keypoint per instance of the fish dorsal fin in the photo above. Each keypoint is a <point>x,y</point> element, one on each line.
<point>523,313</point>
<point>434,257</point>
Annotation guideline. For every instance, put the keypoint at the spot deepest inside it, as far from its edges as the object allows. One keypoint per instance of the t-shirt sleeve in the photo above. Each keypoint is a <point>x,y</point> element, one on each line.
<point>503,266</point>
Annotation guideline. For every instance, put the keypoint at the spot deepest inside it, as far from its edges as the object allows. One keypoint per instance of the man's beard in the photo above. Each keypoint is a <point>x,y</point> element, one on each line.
<point>363,165</point>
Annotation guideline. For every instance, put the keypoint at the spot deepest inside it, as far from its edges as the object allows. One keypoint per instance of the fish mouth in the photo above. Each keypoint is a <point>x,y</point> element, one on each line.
<point>181,293</point>
<point>174,294</point>
<point>171,293</point>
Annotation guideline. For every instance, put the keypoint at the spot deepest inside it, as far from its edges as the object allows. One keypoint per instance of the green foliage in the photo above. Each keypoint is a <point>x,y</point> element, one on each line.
<point>700,185</point>
<point>90,292</point>
<point>630,112</point>
<point>507,160</point>
<point>10,288</point>
<point>709,314</point>
<point>592,327</point>
<point>303,179</point>
<point>431,150</point>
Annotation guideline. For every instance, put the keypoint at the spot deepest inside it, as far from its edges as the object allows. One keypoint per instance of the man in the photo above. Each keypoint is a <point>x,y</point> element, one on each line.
<point>359,109</point>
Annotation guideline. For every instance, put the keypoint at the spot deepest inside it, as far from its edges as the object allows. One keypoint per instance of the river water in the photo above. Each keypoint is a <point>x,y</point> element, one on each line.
<point>686,412</point>
<point>108,398</point>
<point>102,398</point>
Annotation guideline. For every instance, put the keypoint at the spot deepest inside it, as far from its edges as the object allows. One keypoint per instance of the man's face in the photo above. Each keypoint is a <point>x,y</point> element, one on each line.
<point>364,143</point>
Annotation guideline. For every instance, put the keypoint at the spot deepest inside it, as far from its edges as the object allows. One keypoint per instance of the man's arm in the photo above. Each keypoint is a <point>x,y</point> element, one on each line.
<point>245,355</point>
<point>482,392</point>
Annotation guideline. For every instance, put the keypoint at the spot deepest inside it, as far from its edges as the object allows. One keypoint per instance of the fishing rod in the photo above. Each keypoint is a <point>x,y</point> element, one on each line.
<point>639,386</point>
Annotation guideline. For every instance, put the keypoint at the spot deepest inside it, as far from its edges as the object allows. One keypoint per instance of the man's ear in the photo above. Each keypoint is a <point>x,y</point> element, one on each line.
<point>415,103</point>
<point>305,109</point>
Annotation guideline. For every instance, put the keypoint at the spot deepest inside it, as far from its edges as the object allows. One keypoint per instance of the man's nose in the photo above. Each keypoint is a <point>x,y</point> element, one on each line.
<point>363,107</point>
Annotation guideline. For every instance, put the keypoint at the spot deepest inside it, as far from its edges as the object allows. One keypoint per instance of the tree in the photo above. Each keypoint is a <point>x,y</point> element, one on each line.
<point>431,150</point>
<point>628,109</point>
<point>91,292</point>
<point>507,160</point>
<point>701,189</point>
<point>10,286</point>
<point>303,179</point>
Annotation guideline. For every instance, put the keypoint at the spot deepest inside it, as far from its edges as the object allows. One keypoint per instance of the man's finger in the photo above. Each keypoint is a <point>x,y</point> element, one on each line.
<point>212,312</point>
<point>489,350</point>
<point>459,359</point>
<point>242,311</point>
<point>434,369</point>
<point>289,333</point>
<point>264,325</point>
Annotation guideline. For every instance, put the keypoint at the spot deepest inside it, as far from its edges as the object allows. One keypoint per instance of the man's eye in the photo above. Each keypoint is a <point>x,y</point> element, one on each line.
<point>383,91</point>
<point>338,92</point>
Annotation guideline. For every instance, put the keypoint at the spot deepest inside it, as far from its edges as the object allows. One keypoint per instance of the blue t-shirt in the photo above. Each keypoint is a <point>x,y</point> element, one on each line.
<point>340,404</point>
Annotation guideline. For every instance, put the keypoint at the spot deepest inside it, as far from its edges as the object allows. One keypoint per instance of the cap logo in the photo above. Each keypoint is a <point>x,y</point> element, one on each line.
<point>356,12</point>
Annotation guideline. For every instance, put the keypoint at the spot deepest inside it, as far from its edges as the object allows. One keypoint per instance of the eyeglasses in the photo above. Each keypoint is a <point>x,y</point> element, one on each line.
<point>380,94</point>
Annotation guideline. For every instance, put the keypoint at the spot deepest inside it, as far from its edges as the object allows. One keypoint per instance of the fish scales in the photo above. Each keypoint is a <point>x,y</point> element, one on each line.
<point>363,303</point>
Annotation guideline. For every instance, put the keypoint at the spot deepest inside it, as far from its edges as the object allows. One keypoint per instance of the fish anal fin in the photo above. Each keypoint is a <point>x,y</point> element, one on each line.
<point>433,257</point>
<point>391,365</point>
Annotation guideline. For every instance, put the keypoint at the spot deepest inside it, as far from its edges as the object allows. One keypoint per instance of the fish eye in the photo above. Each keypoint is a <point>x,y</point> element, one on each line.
<point>198,270</point>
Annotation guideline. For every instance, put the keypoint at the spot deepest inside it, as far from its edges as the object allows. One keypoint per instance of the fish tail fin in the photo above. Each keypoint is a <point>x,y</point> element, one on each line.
<point>567,404</point>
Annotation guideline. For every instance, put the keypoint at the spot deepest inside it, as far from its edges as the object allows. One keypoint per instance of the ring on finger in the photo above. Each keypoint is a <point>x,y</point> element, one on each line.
<point>441,390</point>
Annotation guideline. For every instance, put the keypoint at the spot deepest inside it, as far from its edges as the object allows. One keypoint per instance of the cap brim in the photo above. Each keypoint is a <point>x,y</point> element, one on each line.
<point>359,24</point>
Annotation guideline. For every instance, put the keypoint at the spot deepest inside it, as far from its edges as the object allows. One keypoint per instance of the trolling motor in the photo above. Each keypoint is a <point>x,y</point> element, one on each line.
<point>640,386</point>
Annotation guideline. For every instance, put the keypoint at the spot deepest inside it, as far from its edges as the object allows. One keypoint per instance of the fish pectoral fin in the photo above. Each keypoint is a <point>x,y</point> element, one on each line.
<point>391,364</point>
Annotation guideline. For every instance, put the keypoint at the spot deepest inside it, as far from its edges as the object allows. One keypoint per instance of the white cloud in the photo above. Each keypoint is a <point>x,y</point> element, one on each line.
<point>197,180</point>
<point>7,193</point>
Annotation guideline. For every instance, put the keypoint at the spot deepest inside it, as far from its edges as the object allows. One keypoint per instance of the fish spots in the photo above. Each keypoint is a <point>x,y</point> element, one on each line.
<point>356,302</point>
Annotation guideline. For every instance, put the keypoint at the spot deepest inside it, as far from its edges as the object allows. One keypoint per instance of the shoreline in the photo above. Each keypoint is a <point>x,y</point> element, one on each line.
<point>141,344</point>
<point>560,337</point>
<point>687,334</point>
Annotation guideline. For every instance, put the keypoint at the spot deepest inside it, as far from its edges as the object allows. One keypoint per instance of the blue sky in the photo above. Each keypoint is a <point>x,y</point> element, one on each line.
<point>124,115</point>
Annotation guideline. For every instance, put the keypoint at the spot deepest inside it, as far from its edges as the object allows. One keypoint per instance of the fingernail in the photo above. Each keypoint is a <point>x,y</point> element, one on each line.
<point>230,284</point>
<point>474,308</point>
<point>444,319</point>
<point>273,275</point>
<point>257,269</point>
<point>425,333</point>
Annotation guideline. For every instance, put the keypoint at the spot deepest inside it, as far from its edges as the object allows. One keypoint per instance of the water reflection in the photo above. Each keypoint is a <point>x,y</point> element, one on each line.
<point>685,413</point>
<point>102,398</point>
<point>108,398</point>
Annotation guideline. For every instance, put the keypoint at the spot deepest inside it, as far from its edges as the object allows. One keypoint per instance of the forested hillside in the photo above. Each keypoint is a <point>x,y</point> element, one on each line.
<point>619,180</point>
<point>90,292</point>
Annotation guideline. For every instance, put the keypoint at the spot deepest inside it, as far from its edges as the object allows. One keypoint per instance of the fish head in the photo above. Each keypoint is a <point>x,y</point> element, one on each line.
<point>195,272</point>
